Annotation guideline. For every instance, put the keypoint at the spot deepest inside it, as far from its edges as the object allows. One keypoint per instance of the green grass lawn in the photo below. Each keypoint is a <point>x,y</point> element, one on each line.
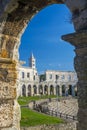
<point>32,118</point>
<point>26,100</point>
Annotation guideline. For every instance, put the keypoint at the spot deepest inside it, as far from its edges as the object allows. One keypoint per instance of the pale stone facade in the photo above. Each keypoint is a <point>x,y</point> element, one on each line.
<point>28,78</point>
<point>62,83</point>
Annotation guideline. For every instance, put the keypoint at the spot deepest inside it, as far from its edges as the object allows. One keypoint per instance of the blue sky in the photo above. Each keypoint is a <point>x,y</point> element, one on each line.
<point>43,37</point>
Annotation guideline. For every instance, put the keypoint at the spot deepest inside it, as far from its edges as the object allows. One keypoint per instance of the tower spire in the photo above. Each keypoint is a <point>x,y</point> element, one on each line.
<point>32,61</point>
<point>32,55</point>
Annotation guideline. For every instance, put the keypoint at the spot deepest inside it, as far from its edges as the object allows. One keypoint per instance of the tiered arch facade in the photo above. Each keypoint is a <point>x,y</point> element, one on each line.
<point>60,87</point>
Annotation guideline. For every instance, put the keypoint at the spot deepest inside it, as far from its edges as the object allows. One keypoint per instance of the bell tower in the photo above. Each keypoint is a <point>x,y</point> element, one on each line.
<point>32,62</point>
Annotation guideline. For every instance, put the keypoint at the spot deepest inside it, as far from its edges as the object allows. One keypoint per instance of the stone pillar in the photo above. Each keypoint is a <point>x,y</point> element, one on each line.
<point>79,40</point>
<point>48,89</point>
<point>37,89</point>
<point>9,108</point>
<point>32,90</point>
<point>55,90</point>
<point>26,90</point>
<point>43,90</point>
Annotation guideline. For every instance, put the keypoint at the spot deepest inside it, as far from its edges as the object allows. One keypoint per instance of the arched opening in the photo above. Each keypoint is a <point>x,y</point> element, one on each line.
<point>23,90</point>
<point>44,31</point>
<point>40,89</point>
<point>29,90</point>
<point>35,90</point>
<point>63,90</point>
<point>46,90</point>
<point>70,90</point>
<point>51,90</point>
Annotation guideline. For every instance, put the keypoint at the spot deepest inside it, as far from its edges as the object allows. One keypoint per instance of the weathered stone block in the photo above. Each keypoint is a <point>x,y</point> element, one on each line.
<point>6,113</point>
<point>7,91</point>
<point>8,76</point>
<point>76,4</point>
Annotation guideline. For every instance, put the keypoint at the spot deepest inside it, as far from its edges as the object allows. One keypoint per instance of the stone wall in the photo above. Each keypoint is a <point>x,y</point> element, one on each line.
<point>67,126</point>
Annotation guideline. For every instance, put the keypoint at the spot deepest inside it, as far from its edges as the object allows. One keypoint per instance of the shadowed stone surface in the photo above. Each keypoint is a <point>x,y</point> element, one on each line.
<point>79,13</point>
<point>79,40</point>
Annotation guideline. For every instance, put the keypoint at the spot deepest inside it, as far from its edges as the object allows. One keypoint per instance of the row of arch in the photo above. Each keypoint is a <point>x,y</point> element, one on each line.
<point>62,90</point>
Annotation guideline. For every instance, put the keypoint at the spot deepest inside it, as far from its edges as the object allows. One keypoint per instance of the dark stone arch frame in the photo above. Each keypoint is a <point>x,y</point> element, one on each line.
<point>9,10</point>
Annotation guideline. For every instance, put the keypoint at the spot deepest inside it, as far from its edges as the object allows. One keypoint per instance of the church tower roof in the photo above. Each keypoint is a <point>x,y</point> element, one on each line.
<point>32,61</point>
<point>32,56</point>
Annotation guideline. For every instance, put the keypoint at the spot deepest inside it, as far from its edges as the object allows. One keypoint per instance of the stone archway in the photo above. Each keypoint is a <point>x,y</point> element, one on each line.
<point>35,89</point>
<point>40,89</point>
<point>29,90</point>
<point>23,90</point>
<point>12,26</point>
<point>63,90</point>
<point>51,90</point>
<point>46,90</point>
<point>70,90</point>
